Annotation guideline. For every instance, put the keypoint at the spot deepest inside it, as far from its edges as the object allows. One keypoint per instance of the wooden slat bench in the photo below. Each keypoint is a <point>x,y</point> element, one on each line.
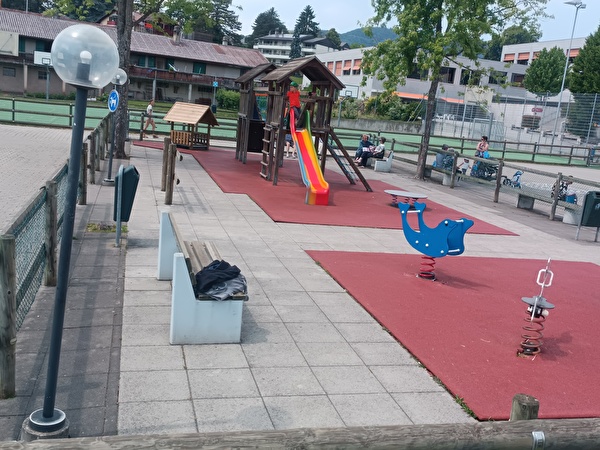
<point>202,319</point>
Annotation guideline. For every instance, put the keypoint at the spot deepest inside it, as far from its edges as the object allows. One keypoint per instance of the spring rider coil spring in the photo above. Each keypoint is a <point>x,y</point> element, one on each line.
<point>537,311</point>
<point>427,269</point>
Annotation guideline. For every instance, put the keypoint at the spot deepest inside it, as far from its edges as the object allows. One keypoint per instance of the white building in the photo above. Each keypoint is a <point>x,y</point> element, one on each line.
<point>505,80</point>
<point>524,54</point>
<point>276,46</point>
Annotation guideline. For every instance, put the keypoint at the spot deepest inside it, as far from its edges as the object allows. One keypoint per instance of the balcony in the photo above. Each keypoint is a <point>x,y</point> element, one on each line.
<point>150,73</point>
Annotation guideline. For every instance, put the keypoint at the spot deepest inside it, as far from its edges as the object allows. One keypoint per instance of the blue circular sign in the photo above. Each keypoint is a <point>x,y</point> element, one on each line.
<point>113,100</point>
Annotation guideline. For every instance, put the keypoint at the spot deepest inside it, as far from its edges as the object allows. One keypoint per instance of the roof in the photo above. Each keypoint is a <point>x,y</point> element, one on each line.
<point>310,66</point>
<point>40,27</point>
<point>253,73</point>
<point>191,114</point>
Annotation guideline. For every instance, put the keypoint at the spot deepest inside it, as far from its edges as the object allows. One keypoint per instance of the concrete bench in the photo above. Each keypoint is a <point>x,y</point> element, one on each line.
<point>384,164</point>
<point>195,319</point>
<point>526,200</point>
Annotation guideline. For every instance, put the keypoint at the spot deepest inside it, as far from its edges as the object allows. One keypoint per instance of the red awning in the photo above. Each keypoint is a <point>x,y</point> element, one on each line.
<point>523,56</point>
<point>356,65</point>
<point>347,64</point>
<point>410,95</point>
<point>573,53</point>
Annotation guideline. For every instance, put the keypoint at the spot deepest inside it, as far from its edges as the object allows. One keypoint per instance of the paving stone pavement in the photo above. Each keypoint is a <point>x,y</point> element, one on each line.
<point>310,355</point>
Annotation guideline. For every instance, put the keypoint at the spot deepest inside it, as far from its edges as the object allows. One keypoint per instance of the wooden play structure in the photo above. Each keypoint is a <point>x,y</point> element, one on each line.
<point>318,102</point>
<point>191,115</point>
<point>250,122</point>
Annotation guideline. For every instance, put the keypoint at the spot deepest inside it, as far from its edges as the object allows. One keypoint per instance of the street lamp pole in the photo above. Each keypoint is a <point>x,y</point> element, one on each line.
<point>87,58</point>
<point>578,4</point>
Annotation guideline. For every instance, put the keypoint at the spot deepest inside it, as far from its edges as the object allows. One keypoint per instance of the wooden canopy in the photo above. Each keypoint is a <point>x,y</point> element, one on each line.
<point>191,114</point>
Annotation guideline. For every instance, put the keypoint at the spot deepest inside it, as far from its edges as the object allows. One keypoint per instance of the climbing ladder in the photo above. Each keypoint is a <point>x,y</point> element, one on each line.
<point>346,162</point>
<point>266,164</point>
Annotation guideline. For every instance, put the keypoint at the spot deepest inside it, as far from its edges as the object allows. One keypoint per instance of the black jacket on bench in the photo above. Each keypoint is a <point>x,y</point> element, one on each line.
<point>215,272</point>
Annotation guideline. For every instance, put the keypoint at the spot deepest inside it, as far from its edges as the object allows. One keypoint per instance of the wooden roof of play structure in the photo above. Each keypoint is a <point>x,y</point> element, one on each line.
<point>191,114</point>
<point>310,66</point>
<point>255,72</point>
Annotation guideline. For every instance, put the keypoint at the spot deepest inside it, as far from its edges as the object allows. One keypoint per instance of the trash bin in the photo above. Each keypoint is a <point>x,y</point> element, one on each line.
<point>591,210</point>
<point>128,187</point>
<point>213,108</point>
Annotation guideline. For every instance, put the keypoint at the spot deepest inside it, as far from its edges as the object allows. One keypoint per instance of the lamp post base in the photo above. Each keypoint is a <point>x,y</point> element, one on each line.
<point>36,426</point>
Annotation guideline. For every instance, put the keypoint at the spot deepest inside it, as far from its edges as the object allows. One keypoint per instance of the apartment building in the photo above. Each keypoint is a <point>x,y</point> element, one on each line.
<point>524,54</point>
<point>168,67</point>
<point>276,46</point>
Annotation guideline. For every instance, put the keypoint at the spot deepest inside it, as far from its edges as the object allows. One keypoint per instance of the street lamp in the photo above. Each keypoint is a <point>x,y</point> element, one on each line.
<point>87,58</point>
<point>578,4</point>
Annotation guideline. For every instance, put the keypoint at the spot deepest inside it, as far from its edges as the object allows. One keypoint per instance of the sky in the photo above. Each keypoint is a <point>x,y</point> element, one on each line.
<point>345,15</point>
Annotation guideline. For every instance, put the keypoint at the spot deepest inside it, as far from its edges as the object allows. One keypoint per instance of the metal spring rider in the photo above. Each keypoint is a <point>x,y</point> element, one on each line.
<point>537,311</point>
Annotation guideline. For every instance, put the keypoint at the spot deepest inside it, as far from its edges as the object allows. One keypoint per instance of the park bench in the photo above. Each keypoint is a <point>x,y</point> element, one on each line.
<point>195,319</point>
<point>384,164</point>
<point>527,197</point>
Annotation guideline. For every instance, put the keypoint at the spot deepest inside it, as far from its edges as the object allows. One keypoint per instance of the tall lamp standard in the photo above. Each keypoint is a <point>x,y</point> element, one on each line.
<point>578,4</point>
<point>87,58</point>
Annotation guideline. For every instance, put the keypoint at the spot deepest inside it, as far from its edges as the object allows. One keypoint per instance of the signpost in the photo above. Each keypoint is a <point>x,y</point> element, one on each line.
<point>113,103</point>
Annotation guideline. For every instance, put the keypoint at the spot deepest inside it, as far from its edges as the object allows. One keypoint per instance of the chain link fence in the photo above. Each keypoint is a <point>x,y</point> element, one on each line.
<point>536,122</point>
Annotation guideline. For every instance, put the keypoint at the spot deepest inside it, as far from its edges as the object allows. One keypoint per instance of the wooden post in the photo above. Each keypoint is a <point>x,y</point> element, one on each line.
<point>163,180</point>
<point>524,407</point>
<point>51,233</point>
<point>170,174</point>
<point>92,160</point>
<point>8,315</point>
<point>498,180</point>
<point>83,175</point>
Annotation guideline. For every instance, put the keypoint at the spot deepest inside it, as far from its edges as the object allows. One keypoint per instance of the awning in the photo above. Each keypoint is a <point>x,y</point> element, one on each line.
<point>523,56</point>
<point>509,57</point>
<point>573,53</point>
<point>330,66</point>
<point>347,64</point>
<point>536,55</point>
<point>452,100</point>
<point>356,65</point>
<point>410,95</point>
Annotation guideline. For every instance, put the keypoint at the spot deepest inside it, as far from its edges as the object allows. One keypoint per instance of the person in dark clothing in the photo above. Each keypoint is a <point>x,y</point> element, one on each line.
<point>364,143</point>
<point>373,152</point>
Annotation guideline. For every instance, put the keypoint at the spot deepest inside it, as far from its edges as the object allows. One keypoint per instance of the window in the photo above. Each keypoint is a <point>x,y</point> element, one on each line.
<point>21,44</point>
<point>356,67</point>
<point>417,74</point>
<point>338,68</point>
<point>141,61</point>
<point>42,75</point>
<point>497,77</point>
<point>170,64</point>
<point>199,67</point>
<point>447,74</point>
<point>347,67</point>
<point>9,71</point>
<point>517,79</point>
<point>151,61</point>
<point>43,46</point>
<point>470,77</point>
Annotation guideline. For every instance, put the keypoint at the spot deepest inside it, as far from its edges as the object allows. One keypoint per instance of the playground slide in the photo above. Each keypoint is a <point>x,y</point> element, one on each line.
<point>317,192</point>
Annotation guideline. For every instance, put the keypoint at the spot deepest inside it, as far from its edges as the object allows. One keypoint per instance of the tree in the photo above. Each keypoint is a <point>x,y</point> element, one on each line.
<point>265,23</point>
<point>208,16</point>
<point>584,76</point>
<point>515,34</point>
<point>430,32</point>
<point>124,29</point>
<point>306,23</point>
<point>544,76</point>
<point>36,6</point>
<point>334,37</point>
<point>84,10</point>
<point>296,47</point>
<point>584,82</point>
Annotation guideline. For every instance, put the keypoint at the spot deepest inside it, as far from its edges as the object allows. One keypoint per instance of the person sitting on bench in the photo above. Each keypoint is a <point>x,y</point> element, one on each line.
<point>364,143</point>
<point>374,152</point>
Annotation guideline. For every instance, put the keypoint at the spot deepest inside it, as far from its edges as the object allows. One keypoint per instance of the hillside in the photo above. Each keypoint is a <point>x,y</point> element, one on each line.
<point>358,36</point>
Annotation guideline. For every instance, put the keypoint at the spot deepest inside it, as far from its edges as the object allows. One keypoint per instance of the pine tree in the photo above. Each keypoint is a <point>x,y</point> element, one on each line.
<point>306,23</point>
